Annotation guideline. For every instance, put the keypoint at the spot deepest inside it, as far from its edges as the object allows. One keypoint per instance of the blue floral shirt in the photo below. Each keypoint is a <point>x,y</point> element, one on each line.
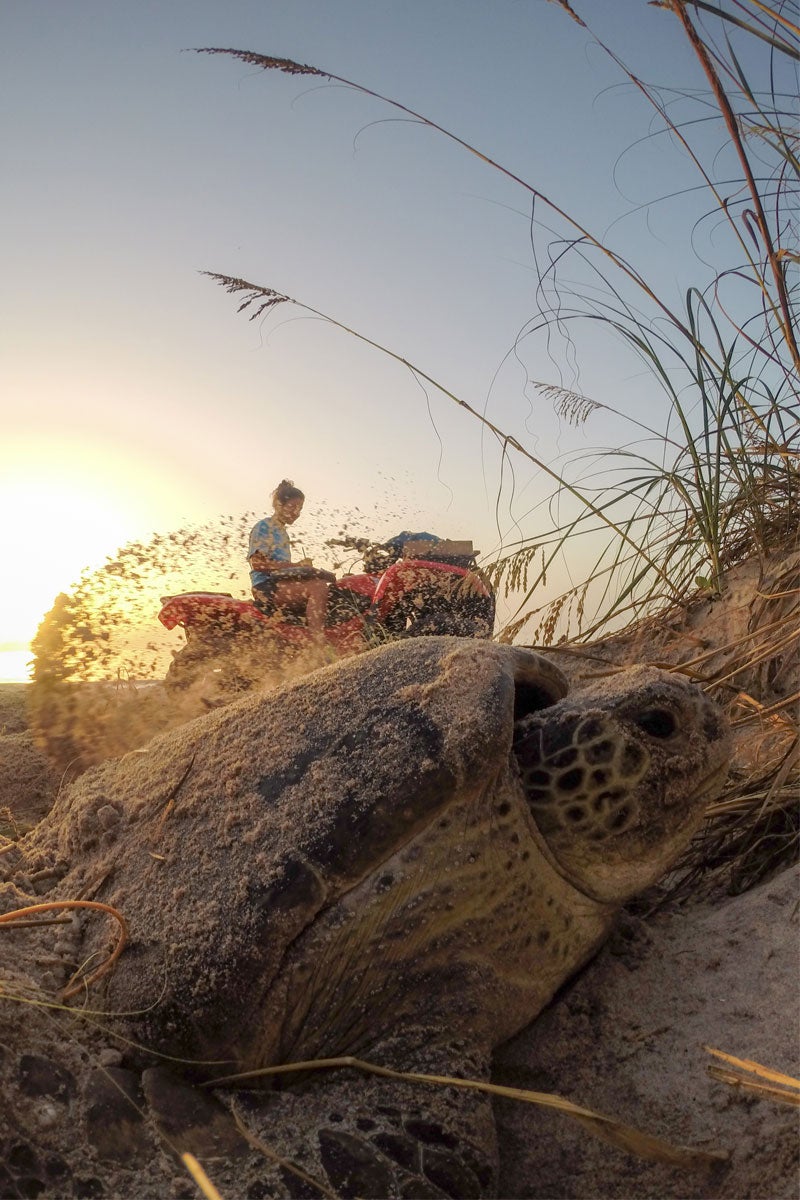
<point>270,538</point>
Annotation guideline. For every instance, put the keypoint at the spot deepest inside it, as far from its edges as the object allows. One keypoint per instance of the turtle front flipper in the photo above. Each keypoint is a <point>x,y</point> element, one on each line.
<point>346,1133</point>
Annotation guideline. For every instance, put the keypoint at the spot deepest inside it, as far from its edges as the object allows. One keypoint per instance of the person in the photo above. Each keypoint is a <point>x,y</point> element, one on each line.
<point>270,554</point>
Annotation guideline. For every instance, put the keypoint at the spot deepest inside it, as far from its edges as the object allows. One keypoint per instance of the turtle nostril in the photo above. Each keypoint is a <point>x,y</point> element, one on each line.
<point>657,722</point>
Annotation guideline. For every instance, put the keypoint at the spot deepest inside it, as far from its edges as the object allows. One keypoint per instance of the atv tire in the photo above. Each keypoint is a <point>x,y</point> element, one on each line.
<point>472,619</point>
<point>188,668</point>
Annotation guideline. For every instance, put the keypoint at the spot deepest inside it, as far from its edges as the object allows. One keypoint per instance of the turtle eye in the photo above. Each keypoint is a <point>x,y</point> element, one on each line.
<point>657,723</point>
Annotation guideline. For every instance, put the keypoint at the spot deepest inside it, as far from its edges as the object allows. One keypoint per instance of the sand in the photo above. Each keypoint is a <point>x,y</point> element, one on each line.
<point>628,1038</point>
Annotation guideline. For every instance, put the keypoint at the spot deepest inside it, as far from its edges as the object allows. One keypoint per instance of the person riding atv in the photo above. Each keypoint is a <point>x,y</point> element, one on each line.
<point>276,582</point>
<point>409,588</point>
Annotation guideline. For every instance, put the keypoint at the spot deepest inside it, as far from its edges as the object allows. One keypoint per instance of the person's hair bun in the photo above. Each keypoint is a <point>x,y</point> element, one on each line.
<point>286,491</point>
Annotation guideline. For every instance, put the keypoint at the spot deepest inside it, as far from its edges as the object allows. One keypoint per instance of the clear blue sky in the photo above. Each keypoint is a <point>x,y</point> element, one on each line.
<point>133,395</point>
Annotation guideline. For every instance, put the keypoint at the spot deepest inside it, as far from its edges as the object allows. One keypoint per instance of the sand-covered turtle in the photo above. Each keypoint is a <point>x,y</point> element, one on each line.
<point>399,858</point>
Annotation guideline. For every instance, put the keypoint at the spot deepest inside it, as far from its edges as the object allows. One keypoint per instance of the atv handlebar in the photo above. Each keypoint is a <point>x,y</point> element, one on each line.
<point>300,574</point>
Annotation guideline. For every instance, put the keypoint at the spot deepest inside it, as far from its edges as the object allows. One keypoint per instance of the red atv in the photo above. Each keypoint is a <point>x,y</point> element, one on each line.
<point>409,588</point>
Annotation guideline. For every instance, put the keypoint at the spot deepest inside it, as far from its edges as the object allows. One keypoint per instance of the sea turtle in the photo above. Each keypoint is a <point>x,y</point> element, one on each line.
<point>400,857</point>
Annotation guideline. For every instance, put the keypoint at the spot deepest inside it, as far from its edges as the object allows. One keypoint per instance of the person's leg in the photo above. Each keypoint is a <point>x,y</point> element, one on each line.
<point>313,594</point>
<point>316,608</point>
<point>265,600</point>
<point>264,594</point>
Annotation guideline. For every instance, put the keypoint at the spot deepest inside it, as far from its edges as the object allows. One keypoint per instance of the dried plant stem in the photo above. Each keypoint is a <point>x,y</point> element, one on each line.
<point>763,655</point>
<point>787,326</point>
<point>783,1088</point>
<point>258,1144</point>
<point>761,711</point>
<point>199,1176</point>
<point>747,637</point>
<point>73,989</point>
<point>608,1129</point>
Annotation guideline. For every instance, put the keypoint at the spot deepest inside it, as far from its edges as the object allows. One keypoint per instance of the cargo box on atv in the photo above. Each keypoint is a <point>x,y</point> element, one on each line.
<point>454,553</point>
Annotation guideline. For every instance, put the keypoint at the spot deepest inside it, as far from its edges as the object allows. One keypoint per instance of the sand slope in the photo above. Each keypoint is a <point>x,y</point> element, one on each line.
<point>627,1039</point>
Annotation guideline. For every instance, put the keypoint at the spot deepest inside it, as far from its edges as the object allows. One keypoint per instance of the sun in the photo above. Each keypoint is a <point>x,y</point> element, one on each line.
<point>68,503</point>
<point>62,509</point>
<point>52,529</point>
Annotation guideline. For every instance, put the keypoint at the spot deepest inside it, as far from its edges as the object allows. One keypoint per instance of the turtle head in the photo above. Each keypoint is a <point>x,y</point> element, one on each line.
<point>618,777</point>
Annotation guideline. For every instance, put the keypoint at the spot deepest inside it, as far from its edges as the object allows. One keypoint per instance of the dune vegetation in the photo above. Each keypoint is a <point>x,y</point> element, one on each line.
<point>695,523</point>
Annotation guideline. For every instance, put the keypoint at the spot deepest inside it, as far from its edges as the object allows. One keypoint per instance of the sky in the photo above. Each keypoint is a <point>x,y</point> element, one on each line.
<point>135,398</point>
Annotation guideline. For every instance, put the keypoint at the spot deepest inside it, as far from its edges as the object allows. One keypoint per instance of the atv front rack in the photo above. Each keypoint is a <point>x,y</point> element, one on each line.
<point>451,553</point>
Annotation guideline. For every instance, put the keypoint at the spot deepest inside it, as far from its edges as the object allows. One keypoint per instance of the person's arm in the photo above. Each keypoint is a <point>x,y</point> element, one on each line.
<point>267,550</point>
<point>260,562</point>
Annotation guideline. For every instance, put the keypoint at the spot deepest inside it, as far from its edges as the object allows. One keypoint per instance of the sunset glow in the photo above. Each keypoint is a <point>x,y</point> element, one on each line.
<point>65,509</point>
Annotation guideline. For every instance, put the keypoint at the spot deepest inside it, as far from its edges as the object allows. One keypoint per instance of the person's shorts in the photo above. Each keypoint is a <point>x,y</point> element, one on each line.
<point>265,590</point>
<point>264,593</point>
<point>266,587</point>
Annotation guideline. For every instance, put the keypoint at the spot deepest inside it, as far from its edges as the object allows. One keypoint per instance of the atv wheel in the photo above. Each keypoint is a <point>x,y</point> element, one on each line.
<point>215,673</point>
<point>188,668</point>
<point>475,620</point>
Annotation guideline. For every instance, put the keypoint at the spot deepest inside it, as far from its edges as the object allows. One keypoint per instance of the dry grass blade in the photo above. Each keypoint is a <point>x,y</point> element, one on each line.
<point>73,988</point>
<point>764,1091</point>
<point>169,802</point>
<point>199,1176</point>
<point>257,1144</point>
<point>98,1018</point>
<point>788,703</point>
<point>754,1068</point>
<point>39,924</point>
<point>763,655</point>
<point>608,1129</point>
